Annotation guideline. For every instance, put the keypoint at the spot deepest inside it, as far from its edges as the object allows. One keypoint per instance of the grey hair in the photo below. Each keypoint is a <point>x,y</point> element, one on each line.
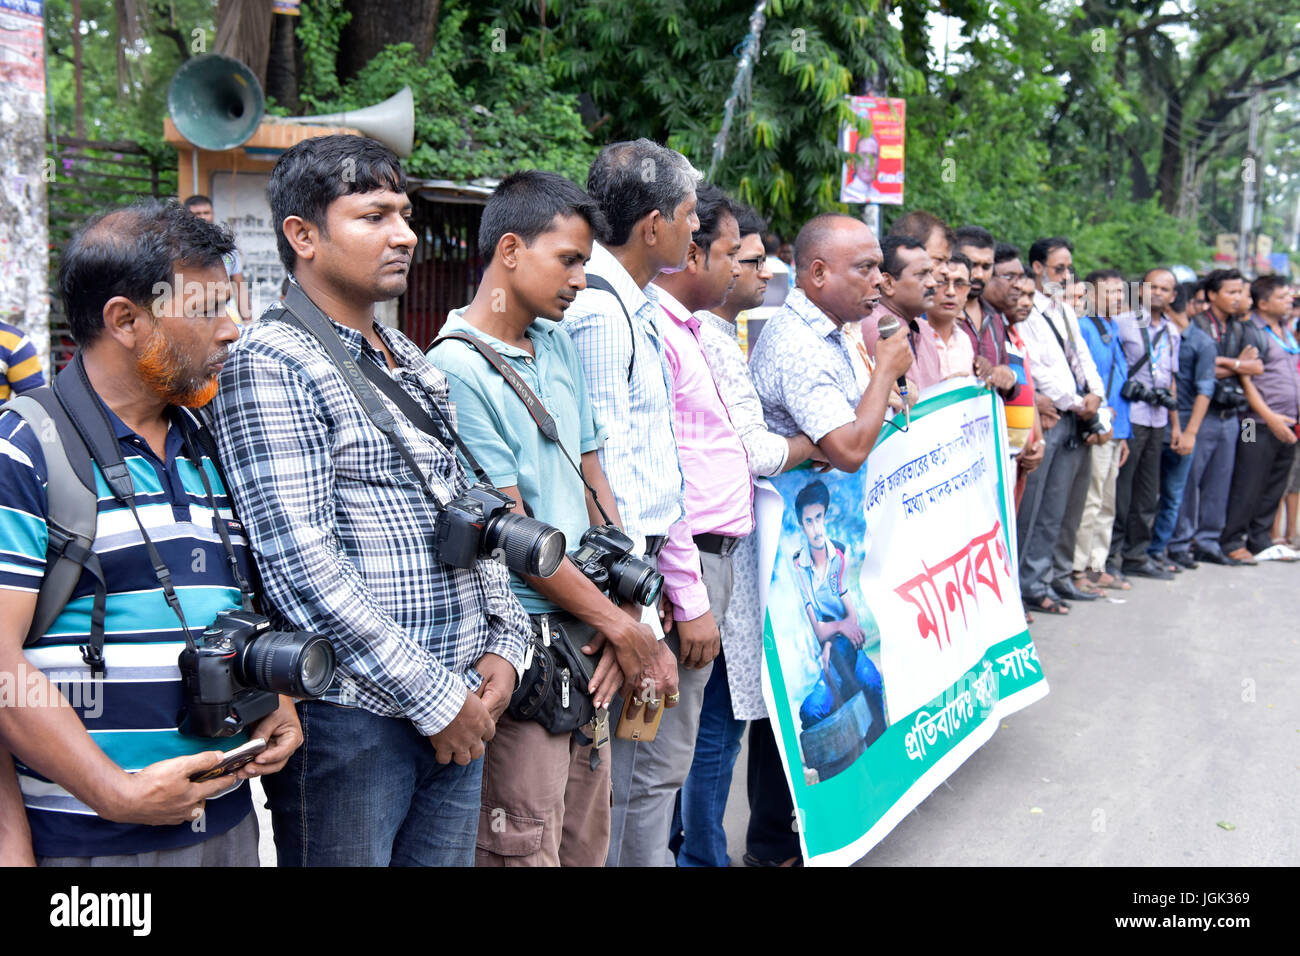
<point>633,178</point>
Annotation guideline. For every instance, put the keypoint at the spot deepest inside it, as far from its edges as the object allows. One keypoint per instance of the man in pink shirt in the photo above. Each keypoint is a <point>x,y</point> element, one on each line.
<point>952,346</point>
<point>696,561</point>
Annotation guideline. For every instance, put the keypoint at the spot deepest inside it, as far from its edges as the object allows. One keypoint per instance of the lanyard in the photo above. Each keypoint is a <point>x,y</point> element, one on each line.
<point>1292,349</point>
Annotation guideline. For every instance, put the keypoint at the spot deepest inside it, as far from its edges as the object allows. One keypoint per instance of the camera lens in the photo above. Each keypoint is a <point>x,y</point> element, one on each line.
<point>635,580</point>
<point>527,546</point>
<point>289,662</point>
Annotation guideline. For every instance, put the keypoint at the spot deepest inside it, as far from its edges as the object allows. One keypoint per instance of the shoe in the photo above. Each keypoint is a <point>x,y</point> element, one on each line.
<point>1184,558</point>
<point>1067,591</point>
<point>1147,569</point>
<point>1243,556</point>
<point>1214,557</point>
<point>750,860</point>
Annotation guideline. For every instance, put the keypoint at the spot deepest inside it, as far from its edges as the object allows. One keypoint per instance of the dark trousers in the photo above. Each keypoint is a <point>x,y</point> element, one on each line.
<point>1258,481</point>
<point>1042,510</point>
<point>771,834</point>
<point>1063,552</point>
<point>1137,495</point>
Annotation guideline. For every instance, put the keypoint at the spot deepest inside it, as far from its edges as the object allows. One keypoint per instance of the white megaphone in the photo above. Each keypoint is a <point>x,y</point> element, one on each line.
<point>392,122</point>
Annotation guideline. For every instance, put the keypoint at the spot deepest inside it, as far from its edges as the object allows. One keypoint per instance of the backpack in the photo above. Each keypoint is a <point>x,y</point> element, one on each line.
<point>72,512</point>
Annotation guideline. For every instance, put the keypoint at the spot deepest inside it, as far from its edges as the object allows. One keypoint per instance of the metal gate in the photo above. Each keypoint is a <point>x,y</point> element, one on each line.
<point>89,178</point>
<point>446,268</point>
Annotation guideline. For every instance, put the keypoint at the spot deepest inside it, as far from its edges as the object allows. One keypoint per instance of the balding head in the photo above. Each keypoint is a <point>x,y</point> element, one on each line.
<point>837,262</point>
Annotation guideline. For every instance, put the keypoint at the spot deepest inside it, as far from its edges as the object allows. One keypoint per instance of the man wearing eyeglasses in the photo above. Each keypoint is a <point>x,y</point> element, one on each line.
<point>950,345</point>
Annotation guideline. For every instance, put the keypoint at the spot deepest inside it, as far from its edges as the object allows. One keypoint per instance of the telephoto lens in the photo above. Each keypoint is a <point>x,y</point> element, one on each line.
<point>527,546</point>
<point>289,662</point>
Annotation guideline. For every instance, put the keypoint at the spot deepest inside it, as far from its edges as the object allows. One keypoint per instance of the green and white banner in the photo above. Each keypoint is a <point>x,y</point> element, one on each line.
<point>895,639</point>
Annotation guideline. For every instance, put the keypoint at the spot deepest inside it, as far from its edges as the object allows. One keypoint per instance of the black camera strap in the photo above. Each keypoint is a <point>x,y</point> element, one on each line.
<point>73,389</point>
<point>600,282</point>
<point>1146,356</point>
<point>545,422</point>
<point>304,313</point>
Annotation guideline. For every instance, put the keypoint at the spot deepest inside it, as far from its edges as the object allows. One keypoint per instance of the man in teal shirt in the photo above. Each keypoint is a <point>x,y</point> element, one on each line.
<point>546,797</point>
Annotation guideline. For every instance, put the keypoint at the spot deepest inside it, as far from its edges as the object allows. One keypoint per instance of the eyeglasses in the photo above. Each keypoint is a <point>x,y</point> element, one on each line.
<point>751,263</point>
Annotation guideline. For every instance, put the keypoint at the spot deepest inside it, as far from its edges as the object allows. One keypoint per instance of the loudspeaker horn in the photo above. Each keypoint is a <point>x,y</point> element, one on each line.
<point>392,122</point>
<point>215,102</point>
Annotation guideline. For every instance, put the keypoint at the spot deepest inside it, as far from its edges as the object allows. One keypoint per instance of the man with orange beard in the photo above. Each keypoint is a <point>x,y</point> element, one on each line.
<point>104,774</point>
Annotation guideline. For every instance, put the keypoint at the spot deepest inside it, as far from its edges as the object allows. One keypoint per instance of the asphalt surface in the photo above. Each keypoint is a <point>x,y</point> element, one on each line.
<point>1170,737</point>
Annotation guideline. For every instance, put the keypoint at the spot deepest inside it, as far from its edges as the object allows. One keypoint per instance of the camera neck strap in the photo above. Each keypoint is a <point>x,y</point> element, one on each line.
<point>301,311</point>
<point>1146,357</point>
<point>73,389</point>
<point>543,419</point>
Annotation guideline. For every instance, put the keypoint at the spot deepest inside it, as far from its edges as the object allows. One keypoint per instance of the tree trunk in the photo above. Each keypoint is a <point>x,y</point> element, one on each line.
<point>1141,180</point>
<point>1169,175</point>
<point>281,66</point>
<point>377,23</point>
<point>244,32</point>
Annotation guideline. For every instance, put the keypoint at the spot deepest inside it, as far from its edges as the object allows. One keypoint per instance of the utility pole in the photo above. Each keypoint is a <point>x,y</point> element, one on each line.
<point>1249,173</point>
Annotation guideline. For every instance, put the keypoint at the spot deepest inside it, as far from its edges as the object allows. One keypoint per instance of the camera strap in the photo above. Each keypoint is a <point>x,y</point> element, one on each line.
<point>600,282</point>
<point>1146,357</point>
<point>73,389</point>
<point>304,313</point>
<point>545,422</point>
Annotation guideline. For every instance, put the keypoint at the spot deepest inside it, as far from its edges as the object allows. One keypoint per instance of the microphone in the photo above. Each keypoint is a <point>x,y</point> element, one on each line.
<point>887,326</point>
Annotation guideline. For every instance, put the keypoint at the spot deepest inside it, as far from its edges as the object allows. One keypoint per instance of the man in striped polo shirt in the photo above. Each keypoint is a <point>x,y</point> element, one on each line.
<point>20,368</point>
<point>102,769</point>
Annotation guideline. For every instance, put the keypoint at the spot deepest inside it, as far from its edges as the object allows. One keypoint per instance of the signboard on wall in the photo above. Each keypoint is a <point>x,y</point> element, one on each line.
<point>239,202</point>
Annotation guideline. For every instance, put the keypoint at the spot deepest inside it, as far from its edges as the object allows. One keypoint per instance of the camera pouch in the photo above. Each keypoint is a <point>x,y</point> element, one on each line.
<point>553,690</point>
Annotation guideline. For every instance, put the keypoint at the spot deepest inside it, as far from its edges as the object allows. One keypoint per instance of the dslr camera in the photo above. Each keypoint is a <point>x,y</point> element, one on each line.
<point>1229,395</point>
<point>241,667</point>
<point>1091,426</point>
<point>604,555</point>
<point>1135,391</point>
<point>479,524</point>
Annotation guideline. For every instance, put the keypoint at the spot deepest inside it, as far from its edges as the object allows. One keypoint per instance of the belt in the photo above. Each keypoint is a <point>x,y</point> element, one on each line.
<point>654,543</point>
<point>1223,414</point>
<point>717,544</point>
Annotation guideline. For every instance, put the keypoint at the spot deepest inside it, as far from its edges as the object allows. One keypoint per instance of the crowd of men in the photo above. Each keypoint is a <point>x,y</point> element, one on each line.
<point>597,383</point>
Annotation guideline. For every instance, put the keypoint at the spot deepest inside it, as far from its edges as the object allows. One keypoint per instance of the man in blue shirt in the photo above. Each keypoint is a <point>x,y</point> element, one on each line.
<point>1096,521</point>
<point>106,781</point>
<point>1195,378</point>
<point>537,232</point>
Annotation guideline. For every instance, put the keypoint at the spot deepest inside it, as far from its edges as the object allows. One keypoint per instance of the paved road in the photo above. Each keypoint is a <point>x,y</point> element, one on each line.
<point>1167,714</point>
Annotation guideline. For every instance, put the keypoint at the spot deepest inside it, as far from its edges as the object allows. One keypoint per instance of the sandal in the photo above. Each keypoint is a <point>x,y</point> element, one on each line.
<point>1106,580</point>
<point>1047,605</point>
<point>1085,584</point>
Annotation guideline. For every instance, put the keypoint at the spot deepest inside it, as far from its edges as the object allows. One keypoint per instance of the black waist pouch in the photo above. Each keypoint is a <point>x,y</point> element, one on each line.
<point>553,691</point>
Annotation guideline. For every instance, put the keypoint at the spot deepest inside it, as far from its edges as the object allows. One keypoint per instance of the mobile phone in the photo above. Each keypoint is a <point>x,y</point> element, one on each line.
<point>641,725</point>
<point>233,760</point>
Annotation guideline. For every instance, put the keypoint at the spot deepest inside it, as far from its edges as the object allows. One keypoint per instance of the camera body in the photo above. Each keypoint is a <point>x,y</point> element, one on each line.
<point>1229,395</point>
<point>604,555</point>
<point>1087,427</point>
<point>479,523</point>
<point>1135,391</point>
<point>240,668</point>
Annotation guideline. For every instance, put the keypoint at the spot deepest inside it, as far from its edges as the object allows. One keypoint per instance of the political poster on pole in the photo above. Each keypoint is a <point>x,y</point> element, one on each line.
<point>894,637</point>
<point>874,174</point>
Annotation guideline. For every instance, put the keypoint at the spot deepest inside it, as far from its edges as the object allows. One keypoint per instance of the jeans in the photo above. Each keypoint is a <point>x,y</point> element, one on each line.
<point>365,790</point>
<point>698,836</point>
<point>851,671</point>
<point>1205,496</point>
<point>1174,470</point>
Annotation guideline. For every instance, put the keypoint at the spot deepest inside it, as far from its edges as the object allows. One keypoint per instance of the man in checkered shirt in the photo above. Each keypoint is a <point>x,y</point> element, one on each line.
<point>428,655</point>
